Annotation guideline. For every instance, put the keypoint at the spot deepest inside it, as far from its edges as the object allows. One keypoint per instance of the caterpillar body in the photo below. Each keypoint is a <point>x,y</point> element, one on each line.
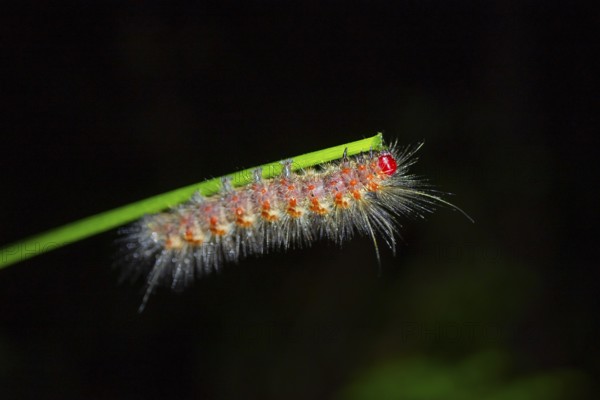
<point>364,194</point>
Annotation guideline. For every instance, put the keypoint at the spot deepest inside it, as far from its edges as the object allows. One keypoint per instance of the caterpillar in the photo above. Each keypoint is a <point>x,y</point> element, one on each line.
<point>365,194</point>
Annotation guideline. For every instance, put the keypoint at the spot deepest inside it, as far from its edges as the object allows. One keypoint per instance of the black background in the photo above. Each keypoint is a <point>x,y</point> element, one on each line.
<point>104,104</point>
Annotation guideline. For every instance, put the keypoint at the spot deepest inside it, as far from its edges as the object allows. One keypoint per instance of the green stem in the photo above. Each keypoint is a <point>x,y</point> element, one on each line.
<point>78,230</point>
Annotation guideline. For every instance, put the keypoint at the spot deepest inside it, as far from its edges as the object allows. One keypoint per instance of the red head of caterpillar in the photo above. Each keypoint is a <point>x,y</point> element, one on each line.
<point>365,194</point>
<point>387,163</point>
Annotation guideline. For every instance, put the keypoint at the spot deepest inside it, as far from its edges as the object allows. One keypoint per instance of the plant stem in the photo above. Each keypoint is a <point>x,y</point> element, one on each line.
<point>78,230</point>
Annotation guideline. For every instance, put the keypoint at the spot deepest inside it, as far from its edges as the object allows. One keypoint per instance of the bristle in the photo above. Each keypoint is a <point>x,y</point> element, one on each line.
<point>363,194</point>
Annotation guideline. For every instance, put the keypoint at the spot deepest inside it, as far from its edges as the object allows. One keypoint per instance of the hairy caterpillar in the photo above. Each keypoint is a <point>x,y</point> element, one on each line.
<point>363,194</point>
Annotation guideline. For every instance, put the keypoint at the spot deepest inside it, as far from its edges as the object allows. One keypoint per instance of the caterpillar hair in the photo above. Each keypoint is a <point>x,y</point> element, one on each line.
<point>366,194</point>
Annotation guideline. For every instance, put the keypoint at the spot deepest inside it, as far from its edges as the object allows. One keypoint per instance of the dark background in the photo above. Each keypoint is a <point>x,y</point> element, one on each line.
<point>106,104</point>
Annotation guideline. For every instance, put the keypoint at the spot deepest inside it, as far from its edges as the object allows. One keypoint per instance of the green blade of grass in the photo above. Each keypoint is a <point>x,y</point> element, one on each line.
<point>78,230</point>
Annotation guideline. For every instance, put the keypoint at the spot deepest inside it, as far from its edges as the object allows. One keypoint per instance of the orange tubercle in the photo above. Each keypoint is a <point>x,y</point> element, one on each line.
<point>316,207</point>
<point>217,231</point>
<point>243,222</point>
<point>340,201</point>
<point>373,187</point>
<point>266,212</point>
<point>173,242</point>
<point>292,210</point>
<point>215,228</point>
<point>269,216</point>
<point>192,237</point>
<point>241,219</point>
